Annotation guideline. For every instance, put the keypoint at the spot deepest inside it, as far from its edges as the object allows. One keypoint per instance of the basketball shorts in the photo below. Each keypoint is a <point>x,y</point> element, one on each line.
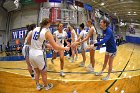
<point>25,51</point>
<point>37,59</point>
<point>111,54</point>
<point>92,42</point>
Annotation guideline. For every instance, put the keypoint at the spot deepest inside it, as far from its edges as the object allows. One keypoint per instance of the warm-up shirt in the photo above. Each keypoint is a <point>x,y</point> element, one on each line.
<point>109,40</point>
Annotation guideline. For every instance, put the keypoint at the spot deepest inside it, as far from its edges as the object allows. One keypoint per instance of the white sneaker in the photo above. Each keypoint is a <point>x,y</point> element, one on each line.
<point>76,58</point>
<point>99,73</point>
<point>67,56</point>
<point>90,69</point>
<point>89,66</point>
<point>49,86</point>
<point>33,78</point>
<point>52,61</point>
<point>39,86</point>
<point>82,64</point>
<point>62,74</point>
<point>72,60</point>
<point>105,78</point>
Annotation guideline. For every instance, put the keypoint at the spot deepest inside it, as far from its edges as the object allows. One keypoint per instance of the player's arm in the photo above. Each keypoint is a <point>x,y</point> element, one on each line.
<point>29,37</point>
<point>105,39</point>
<point>72,36</point>
<point>85,39</point>
<point>54,36</point>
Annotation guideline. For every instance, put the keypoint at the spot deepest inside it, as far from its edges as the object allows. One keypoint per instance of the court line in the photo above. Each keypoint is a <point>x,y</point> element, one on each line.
<point>69,80</point>
<point>107,90</point>
<point>50,71</point>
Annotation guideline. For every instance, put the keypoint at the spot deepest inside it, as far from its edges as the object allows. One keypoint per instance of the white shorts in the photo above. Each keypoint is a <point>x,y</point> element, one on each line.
<point>83,47</point>
<point>92,42</point>
<point>111,54</point>
<point>25,51</point>
<point>37,61</point>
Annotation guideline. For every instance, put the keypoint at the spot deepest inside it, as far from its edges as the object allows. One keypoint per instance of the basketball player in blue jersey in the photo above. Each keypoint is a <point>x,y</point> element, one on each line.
<point>110,47</point>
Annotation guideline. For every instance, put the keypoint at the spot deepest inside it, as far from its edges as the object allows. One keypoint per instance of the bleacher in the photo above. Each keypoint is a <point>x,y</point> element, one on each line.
<point>13,48</point>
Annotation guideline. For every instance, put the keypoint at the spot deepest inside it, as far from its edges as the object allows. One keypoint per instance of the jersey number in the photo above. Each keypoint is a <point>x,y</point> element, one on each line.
<point>35,37</point>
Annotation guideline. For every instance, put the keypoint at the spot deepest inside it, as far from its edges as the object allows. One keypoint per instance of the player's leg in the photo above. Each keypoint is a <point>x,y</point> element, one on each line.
<point>61,63</point>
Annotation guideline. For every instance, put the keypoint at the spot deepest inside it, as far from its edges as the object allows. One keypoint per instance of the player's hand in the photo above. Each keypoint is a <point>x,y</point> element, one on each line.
<point>90,47</point>
<point>67,48</point>
<point>75,44</point>
<point>68,44</point>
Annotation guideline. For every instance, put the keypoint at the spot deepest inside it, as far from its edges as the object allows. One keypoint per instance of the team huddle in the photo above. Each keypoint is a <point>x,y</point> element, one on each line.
<point>65,40</point>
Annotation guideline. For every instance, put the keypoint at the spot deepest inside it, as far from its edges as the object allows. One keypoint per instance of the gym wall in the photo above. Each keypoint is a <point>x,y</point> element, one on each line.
<point>3,20</point>
<point>27,15</point>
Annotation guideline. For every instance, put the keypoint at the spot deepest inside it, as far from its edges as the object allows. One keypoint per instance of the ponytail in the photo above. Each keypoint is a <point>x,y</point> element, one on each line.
<point>44,22</point>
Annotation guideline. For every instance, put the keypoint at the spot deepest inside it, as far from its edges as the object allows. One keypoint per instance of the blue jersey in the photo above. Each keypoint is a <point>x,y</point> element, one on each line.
<point>109,41</point>
<point>69,36</point>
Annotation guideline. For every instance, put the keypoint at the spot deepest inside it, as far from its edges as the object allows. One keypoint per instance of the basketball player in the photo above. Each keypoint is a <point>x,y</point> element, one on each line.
<point>92,35</point>
<point>26,47</point>
<point>37,59</point>
<point>73,39</point>
<point>110,47</point>
<point>83,49</point>
<point>60,36</point>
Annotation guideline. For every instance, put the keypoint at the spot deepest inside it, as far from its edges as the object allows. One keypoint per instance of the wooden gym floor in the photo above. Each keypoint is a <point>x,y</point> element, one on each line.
<point>125,78</point>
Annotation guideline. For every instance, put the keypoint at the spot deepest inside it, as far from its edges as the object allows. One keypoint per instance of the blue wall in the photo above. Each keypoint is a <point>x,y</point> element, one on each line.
<point>132,39</point>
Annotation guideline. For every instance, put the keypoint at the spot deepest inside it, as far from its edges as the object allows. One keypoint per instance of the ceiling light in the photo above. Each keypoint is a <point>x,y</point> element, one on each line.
<point>115,13</point>
<point>102,4</point>
<point>134,12</point>
<point>129,12</point>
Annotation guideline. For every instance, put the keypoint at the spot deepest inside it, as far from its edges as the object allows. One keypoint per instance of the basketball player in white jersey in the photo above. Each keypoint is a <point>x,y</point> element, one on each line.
<point>26,47</point>
<point>83,49</point>
<point>60,36</point>
<point>37,59</point>
<point>92,35</point>
<point>73,39</point>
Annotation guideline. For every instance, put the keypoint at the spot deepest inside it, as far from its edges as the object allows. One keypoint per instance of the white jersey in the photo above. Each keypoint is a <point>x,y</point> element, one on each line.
<point>60,37</point>
<point>25,42</point>
<point>83,46</point>
<point>26,47</point>
<point>83,34</point>
<point>37,43</point>
<point>93,38</point>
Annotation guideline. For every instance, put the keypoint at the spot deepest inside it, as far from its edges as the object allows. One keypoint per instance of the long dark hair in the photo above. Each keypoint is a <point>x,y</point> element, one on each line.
<point>82,25</point>
<point>44,22</point>
<point>29,28</point>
